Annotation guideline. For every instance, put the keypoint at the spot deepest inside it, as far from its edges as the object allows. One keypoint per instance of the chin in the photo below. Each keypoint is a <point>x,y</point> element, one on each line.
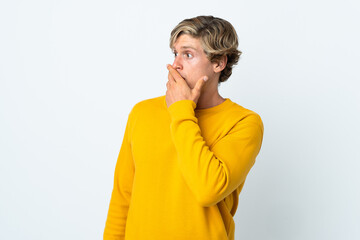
<point>191,85</point>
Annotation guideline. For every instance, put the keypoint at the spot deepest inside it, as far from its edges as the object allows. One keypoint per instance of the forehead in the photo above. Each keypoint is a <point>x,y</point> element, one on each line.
<point>187,41</point>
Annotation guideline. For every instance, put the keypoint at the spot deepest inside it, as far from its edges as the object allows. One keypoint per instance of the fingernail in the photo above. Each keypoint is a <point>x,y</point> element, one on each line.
<point>205,78</point>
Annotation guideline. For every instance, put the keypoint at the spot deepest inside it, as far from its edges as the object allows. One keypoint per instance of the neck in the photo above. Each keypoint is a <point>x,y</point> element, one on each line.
<point>209,97</point>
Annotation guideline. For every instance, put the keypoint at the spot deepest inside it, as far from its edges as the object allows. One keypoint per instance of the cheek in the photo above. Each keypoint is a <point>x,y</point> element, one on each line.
<point>195,69</point>
<point>198,68</point>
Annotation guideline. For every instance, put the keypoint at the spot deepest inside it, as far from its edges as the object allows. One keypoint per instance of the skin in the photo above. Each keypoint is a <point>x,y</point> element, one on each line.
<point>192,76</point>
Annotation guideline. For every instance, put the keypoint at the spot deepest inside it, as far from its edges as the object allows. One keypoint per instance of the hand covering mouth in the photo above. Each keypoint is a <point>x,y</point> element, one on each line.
<point>181,75</point>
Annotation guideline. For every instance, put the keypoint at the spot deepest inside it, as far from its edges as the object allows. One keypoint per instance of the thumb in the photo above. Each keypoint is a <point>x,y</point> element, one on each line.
<point>198,86</point>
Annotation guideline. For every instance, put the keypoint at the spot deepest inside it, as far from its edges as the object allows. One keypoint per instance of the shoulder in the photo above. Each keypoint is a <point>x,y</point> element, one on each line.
<point>150,105</point>
<point>150,102</point>
<point>240,115</point>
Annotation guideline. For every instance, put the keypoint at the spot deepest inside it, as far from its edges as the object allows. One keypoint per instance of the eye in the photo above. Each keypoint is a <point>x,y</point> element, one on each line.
<point>175,54</point>
<point>188,55</point>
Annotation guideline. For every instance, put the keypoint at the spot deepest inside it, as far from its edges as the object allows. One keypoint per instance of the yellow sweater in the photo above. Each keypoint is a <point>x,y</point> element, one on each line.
<point>180,171</point>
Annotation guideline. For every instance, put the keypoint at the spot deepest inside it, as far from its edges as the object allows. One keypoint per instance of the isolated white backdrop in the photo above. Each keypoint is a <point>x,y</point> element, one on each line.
<point>70,72</point>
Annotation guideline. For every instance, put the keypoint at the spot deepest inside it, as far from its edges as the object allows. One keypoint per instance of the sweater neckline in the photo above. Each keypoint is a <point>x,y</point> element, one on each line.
<point>213,109</point>
<point>216,108</point>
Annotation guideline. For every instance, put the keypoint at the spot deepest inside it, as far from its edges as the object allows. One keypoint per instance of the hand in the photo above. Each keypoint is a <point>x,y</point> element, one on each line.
<point>178,89</point>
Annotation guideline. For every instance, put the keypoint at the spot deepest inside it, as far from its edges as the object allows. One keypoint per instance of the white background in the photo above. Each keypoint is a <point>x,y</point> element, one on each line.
<point>70,72</point>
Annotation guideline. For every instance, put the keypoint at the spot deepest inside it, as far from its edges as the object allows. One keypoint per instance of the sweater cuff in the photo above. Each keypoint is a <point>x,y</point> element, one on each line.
<point>182,109</point>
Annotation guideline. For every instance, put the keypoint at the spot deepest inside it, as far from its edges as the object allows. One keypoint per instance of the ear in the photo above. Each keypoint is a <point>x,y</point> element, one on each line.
<point>220,64</point>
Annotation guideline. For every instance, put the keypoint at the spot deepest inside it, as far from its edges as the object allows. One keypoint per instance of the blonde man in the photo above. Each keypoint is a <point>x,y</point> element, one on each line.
<point>185,155</point>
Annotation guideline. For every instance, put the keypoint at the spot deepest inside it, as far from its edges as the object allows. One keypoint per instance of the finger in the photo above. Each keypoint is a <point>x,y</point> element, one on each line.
<point>171,78</point>
<point>199,84</point>
<point>177,77</point>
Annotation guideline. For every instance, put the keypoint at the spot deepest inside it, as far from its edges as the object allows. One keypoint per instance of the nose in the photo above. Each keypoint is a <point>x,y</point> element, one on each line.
<point>177,63</point>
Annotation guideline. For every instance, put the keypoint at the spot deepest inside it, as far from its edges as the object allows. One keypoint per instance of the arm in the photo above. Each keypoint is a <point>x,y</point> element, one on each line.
<point>213,174</point>
<point>121,194</point>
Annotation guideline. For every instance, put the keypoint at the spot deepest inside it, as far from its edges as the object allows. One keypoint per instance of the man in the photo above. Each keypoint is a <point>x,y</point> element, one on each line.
<point>185,156</point>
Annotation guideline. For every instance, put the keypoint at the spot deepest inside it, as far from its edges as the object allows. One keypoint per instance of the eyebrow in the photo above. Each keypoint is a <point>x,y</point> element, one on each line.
<point>186,47</point>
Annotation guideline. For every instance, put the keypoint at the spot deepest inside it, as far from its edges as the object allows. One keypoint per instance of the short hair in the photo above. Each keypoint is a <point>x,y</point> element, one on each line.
<point>217,36</point>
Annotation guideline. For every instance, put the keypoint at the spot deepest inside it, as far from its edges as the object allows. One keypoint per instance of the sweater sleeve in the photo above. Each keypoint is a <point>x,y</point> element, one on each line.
<point>212,174</point>
<point>121,194</point>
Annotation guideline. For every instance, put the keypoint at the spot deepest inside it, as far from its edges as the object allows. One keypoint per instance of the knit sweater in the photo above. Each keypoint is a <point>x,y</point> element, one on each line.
<point>180,170</point>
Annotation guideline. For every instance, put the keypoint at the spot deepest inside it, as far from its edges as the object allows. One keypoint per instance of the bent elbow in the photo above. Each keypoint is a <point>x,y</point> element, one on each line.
<point>206,202</point>
<point>210,197</point>
<point>212,192</point>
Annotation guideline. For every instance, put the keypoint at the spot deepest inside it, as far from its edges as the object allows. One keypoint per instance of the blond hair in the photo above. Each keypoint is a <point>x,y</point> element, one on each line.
<point>218,38</point>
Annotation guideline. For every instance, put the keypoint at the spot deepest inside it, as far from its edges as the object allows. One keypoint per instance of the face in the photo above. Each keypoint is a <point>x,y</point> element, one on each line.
<point>191,61</point>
